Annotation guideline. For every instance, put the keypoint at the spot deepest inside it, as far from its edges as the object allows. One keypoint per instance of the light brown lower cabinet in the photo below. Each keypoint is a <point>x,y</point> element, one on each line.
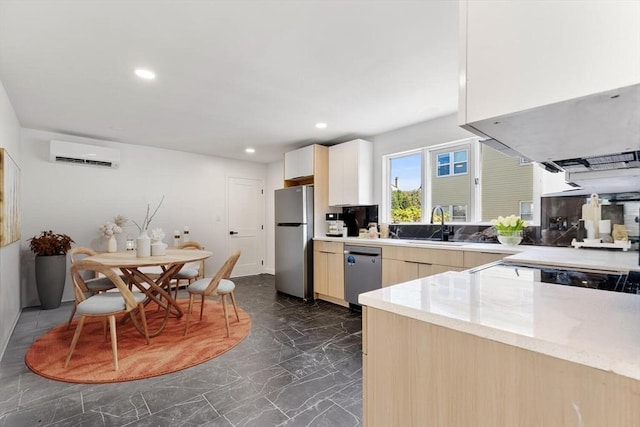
<point>396,271</point>
<point>401,264</point>
<point>475,259</point>
<point>417,374</point>
<point>328,270</point>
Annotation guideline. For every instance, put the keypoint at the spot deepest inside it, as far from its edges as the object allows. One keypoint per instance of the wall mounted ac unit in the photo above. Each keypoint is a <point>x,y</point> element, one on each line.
<point>83,154</point>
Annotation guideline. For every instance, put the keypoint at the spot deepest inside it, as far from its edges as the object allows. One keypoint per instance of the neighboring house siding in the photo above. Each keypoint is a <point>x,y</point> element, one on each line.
<point>450,190</point>
<point>504,184</point>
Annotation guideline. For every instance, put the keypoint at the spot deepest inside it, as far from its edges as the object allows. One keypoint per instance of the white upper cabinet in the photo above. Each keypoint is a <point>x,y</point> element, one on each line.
<point>518,55</point>
<point>299,163</point>
<point>350,173</point>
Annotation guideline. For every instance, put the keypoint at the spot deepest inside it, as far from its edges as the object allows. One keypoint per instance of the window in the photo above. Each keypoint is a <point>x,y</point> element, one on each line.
<point>472,182</point>
<point>405,188</point>
<point>526,211</point>
<point>454,163</point>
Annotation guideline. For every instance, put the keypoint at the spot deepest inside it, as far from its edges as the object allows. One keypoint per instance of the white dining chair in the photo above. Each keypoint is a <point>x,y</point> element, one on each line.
<point>105,304</point>
<point>217,285</point>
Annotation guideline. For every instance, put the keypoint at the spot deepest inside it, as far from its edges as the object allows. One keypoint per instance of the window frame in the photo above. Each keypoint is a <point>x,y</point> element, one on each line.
<point>385,212</point>
<point>474,169</point>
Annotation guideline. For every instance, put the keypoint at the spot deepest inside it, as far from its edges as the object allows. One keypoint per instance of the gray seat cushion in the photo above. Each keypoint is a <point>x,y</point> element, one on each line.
<point>106,302</point>
<point>186,273</point>
<point>99,284</point>
<point>225,286</point>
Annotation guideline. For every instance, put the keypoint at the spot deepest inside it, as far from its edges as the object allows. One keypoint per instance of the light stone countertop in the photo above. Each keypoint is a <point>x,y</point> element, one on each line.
<point>595,328</point>
<point>603,259</point>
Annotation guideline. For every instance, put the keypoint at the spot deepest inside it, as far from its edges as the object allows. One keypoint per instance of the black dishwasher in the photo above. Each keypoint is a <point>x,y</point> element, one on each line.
<point>362,271</point>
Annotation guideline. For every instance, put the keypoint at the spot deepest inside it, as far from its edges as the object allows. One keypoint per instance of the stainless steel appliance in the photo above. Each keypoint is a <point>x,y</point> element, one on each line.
<point>293,241</point>
<point>599,135</point>
<point>362,271</point>
<point>335,225</point>
<point>595,279</point>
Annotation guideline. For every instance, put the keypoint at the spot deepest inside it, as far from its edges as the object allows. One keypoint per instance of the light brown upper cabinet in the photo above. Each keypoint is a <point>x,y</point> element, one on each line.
<point>350,173</point>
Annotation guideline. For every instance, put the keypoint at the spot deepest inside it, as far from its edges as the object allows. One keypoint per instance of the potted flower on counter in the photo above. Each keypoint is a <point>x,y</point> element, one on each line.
<point>509,229</point>
<point>51,266</point>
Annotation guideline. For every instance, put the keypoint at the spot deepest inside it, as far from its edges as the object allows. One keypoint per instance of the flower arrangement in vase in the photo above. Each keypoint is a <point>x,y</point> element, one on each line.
<point>509,229</point>
<point>110,229</point>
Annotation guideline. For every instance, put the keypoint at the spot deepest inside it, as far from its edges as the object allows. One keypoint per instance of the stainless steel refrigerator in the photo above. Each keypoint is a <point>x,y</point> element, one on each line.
<point>293,241</point>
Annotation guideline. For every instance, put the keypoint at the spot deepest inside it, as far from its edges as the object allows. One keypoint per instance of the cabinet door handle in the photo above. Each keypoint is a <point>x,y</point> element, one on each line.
<point>233,232</point>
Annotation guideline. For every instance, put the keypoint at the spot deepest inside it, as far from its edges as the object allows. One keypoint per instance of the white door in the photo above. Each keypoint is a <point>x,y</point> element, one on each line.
<point>245,201</point>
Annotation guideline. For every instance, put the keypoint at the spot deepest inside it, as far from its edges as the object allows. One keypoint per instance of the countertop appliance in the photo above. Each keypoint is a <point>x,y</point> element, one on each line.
<point>293,241</point>
<point>335,225</point>
<point>362,271</point>
<point>615,281</point>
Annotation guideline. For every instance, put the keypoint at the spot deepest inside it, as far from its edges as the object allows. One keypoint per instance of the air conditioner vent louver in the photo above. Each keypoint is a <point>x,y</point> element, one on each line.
<point>99,163</point>
<point>83,154</point>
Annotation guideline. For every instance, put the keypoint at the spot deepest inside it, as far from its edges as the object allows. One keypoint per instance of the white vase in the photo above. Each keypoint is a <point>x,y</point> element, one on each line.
<point>112,244</point>
<point>143,245</point>
<point>158,248</point>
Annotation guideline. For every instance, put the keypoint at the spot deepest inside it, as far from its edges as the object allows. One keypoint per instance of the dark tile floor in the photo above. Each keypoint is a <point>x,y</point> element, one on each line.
<point>301,365</point>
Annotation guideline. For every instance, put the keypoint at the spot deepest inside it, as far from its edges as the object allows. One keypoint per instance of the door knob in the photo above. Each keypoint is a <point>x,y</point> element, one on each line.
<point>233,232</point>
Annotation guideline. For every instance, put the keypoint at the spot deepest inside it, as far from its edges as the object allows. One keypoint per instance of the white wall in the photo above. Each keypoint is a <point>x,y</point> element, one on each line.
<point>275,180</point>
<point>10,254</point>
<point>76,200</point>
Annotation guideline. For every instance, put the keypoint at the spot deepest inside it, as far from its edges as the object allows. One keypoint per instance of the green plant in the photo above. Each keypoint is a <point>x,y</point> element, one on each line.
<point>50,243</point>
<point>508,224</point>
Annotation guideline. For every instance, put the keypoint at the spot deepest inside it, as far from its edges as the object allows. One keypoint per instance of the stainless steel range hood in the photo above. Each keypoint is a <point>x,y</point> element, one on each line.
<point>593,138</point>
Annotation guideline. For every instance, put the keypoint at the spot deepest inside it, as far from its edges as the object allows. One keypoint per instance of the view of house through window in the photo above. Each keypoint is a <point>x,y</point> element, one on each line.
<point>506,185</point>
<point>503,185</point>
<point>452,191</point>
<point>405,173</point>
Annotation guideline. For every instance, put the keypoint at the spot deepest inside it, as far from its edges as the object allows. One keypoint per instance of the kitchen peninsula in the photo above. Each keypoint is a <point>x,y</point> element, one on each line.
<point>482,349</point>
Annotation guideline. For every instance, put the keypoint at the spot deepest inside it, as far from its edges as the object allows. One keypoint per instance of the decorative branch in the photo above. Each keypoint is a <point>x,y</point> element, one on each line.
<point>147,219</point>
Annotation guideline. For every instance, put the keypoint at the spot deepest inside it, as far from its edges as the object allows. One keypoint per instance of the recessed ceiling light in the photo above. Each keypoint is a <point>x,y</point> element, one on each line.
<point>145,74</point>
<point>250,150</point>
<point>321,125</point>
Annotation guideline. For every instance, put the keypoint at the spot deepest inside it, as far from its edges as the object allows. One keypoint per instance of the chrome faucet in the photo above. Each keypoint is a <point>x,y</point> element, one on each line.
<point>442,226</point>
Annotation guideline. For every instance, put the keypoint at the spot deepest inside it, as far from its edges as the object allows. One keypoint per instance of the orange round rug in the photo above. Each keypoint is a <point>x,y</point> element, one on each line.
<point>170,351</point>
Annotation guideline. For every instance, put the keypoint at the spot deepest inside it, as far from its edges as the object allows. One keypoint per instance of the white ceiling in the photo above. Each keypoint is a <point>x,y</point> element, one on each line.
<point>230,74</point>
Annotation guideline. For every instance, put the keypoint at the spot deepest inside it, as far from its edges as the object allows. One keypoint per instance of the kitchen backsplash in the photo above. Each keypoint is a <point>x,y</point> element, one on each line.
<point>461,233</point>
<point>560,215</point>
<point>558,222</point>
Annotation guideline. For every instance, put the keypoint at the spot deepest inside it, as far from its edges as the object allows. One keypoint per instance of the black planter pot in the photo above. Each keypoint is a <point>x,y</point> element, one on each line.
<point>51,275</point>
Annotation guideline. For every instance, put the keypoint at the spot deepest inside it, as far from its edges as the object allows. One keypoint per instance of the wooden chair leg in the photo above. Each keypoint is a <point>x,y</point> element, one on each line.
<point>74,341</point>
<point>226,316</point>
<point>105,329</point>
<point>114,340</point>
<point>73,313</point>
<point>186,322</point>
<point>235,307</point>
<point>143,318</point>
<point>201,306</point>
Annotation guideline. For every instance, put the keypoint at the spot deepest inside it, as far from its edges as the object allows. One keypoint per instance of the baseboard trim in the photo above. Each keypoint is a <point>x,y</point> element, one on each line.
<point>3,346</point>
